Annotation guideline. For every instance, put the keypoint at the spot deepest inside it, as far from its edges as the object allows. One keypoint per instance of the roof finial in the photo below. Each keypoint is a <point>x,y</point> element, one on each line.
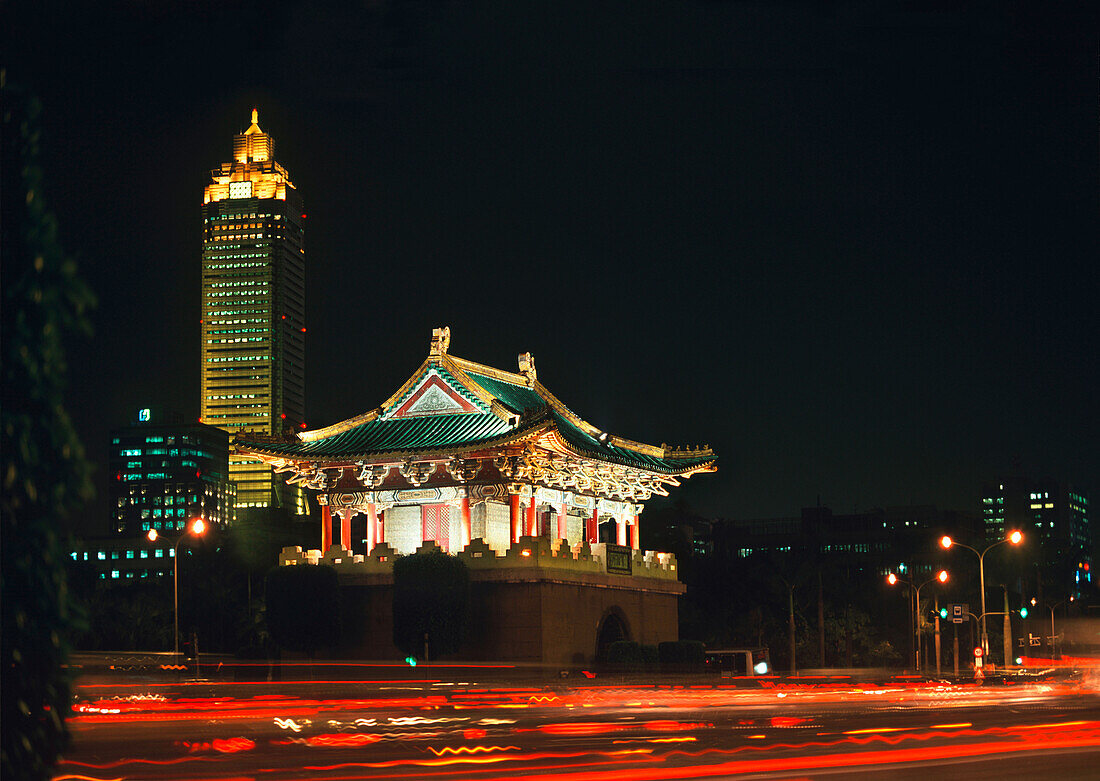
<point>527,367</point>
<point>255,116</point>
<point>441,340</point>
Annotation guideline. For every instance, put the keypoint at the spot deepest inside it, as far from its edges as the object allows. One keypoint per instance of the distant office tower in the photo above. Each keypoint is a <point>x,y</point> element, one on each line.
<point>1056,513</point>
<point>253,310</point>
<point>165,473</point>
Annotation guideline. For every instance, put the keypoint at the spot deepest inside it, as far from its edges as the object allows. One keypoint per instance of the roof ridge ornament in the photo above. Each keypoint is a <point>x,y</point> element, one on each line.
<point>441,341</point>
<point>527,368</point>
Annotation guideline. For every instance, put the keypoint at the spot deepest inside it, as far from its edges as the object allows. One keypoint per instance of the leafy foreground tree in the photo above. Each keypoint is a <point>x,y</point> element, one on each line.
<point>303,608</point>
<point>42,466</point>
<point>431,598</point>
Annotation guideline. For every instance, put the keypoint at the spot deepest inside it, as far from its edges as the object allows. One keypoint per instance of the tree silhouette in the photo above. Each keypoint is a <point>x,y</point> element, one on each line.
<point>430,597</point>
<point>42,466</point>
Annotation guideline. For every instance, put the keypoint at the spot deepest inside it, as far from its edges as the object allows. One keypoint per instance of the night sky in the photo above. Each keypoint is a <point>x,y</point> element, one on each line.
<point>851,246</point>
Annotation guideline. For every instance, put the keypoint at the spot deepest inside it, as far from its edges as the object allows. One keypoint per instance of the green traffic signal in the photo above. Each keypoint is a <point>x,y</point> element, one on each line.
<point>1023,612</point>
<point>943,612</point>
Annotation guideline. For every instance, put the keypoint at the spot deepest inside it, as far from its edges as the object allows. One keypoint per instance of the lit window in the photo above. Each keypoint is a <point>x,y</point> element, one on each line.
<point>114,573</point>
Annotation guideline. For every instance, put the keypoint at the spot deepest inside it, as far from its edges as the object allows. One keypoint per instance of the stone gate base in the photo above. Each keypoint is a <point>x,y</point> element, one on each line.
<point>541,603</point>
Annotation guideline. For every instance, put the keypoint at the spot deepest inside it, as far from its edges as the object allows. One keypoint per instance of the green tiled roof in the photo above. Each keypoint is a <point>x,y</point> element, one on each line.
<point>436,433</point>
<point>394,435</point>
<point>519,398</point>
<point>523,399</point>
<point>583,441</point>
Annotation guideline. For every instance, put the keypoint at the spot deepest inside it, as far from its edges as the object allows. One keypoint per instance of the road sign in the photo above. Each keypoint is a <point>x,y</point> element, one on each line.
<point>978,652</point>
<point>959,612</point>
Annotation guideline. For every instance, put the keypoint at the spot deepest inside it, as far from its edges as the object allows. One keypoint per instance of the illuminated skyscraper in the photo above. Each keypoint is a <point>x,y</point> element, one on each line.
<point>253,310</point>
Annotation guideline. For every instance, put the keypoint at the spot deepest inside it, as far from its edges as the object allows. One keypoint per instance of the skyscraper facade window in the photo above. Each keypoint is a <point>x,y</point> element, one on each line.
<point>253,310</point>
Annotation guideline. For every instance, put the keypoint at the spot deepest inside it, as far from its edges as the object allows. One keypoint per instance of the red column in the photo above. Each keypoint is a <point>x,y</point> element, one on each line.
<point>467,522</point>
<point>517,522</point>
<point>532,531</point>
<point>620,531</point>
<point>345,528</point>
<point>634,533</point>
<point>382,527</point>
<point>561,521</point>
<point>326,529</point>
<point>594,527</point>
<point>372,527</point>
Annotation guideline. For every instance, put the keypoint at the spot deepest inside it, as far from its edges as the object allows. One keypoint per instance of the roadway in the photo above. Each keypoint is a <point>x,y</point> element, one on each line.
<point>471,723</point>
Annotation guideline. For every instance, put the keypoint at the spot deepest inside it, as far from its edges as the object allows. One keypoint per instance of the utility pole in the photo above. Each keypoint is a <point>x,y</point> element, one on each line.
<point>790,628</point>
<point>1007,630</point>
<point>956,650</point>
<point>821,619</point>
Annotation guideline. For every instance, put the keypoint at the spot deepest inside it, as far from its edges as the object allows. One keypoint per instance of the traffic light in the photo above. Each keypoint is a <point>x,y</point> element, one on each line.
<point>943,612</point>
<point>1023,612</point>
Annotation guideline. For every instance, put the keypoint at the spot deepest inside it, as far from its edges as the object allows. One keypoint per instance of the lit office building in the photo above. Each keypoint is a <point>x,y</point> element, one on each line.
<point>253,311</point>
<point>1056,513</point>
<point>165,473</point>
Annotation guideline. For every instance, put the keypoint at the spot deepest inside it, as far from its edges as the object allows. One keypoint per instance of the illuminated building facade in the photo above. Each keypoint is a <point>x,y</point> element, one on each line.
<point>1052,512</point>
<point>163,474</point>
<point>489,465</point>
<point>253,310</point>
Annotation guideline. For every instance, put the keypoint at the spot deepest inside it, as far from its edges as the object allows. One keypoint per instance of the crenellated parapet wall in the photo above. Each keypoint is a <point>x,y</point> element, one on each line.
<point>532,554</point>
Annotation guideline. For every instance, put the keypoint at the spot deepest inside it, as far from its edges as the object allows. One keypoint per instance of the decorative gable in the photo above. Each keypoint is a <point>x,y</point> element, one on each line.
<point>433,396</point>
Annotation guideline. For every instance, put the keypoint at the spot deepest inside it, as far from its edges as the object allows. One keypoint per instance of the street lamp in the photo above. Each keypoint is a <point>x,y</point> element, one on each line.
<point>197,527</point>
<point>1035,602</point>
<point>1015,537</point>
<point>892,579</point>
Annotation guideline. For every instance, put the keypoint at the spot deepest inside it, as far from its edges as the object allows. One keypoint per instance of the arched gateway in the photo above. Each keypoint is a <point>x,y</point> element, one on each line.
<point>613,628</point>
<point>489,465</point>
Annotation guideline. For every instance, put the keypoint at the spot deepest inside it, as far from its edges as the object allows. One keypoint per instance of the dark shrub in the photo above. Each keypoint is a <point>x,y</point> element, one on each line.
<point>431,596</point>
<point>303,608</point>
<point>683,653</point>
<point>624,653</point>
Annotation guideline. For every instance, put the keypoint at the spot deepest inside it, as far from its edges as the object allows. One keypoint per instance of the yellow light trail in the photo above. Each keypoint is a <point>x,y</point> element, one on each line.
<point>876,729</point>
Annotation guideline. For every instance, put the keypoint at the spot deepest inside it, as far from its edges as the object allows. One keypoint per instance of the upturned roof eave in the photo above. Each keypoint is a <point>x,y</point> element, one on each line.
<point>581,452</point>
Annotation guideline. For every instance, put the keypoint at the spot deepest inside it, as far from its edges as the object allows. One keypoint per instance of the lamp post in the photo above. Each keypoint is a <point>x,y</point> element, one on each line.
<point>1053,646</point>
<point>1015,537</point>
<point>197,527</point>
<point>892,579</point>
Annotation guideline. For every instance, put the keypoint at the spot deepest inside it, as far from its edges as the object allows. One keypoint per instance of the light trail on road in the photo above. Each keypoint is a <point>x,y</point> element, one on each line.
<point>606,732</point>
